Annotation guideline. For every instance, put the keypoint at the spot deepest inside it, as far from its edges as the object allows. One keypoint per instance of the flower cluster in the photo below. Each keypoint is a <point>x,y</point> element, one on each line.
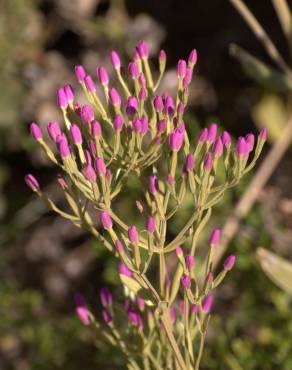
<point>132,131</point>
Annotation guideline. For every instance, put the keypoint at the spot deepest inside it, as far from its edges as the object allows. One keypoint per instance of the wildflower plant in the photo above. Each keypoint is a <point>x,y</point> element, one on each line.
<point>131,131</point>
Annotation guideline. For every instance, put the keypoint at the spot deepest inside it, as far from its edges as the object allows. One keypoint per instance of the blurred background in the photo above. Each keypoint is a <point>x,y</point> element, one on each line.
<point>44,259</point>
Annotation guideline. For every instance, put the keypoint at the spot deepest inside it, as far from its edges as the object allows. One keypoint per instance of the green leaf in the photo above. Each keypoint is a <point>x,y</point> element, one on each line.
<point>276,268</point>
<point>261,72</point>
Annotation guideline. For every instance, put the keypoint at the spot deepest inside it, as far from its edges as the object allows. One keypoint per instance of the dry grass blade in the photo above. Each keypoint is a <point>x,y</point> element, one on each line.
<point>276,268</point>
<point>284,15</point>
<point>261,34</point>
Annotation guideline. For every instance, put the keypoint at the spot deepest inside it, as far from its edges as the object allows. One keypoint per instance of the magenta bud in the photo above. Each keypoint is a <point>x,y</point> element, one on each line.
<point>80,73</point>
<point>119,246</point>
<point>62,182</point>
<point>87,156</point>
<point>142,80</point>
<point>215,237</point>
<point>123,270</point>
<point>263,134</point>
<point>180,108</point>
<point>162,56</point>
<point>150,225</point>
<point>107,317</point>
<point>161,125</point>
<point>79,300</point>
<point>190,262</point>
<point>137,125</point>
<point>89,83</point>
<point>89,173</point>
<point>96,128</point>
<point>143,49</point>
<point>218,147</point>
<point>192,60</point>
<point>106,297</point>
<point>188,77</point>
<point>99,166</point>
<point>208,162</point>
<point>158,103</point>
<point>186,281</point>
<point>63,147</point>
<point>31,182</point>
<point>189,164</point>
<point>135,318</point>
<point>241,147</point>
<point>249,139</point>
<point>69,93</point>
<point>169,106</point>
<point>116,62</point>
<point>212,132</point>
<point>140,303</point>
<point>179,251</point>
<point>226,139</point>
<point>105,220</point>
<point>133,235</point>
<point>114,97</point>
<point>207,303</point>
<point>203,135</point>
<point>152,184</point>
<point>108,175</point>
<point>132,106</point>
<point>118,123</point>
<point>133,70</point>
<point>176,139</point>
<point>102,76</point>
<point>181,68</point>
<point>86,114</point>
<point>209,278</point>
<point>194,309</point>
<point>62,98</point>
<point>144,125</point>
<point>83,315</point>
<point>76,134</point>
<point>36,131</point>
<point>54,130</point>
<point>92,148</point>
<point>170,180</point>
<point>142,95</point>
<point>229,262</point>
<point>172,314</point>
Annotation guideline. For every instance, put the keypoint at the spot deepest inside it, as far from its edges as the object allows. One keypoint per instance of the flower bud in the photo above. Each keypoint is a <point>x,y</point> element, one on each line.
<point>114,97</point>
<point>249,139</point>
<point>143,49</point>
<point>144,125</point>
<point>119,246</point>
<point>140,303</point>
<point>133,235</point>
<point>162,60</point>
<point>89,83</point>
<point>76,134</point>
<point>203,135</point>
<point>226,139</point>
<point>106,297</point>
<point>123,270</point>
<point>102,76</point>
<point>190,262</point>
<point>63,147</point>
<point>181,68</point>
<point>36,131</point>
<point>158,103</point>
<point>69,92</point>
<point>96,129</point>
<point>170,180</point>
<point>208,162</point>
<point>241,147</point>
<point>263,134</point>
<point>79,300</point>
<point>179,251</point>
<point>99,166</point>
<point>132,106</point>
<point>186,281</point>
<point>62,182</point>
<point>31,182</point>
<point>172,314</point>
<point>209,278</point>
<point>152,184</point>
<point>169,106</point>
<point>176,139</point>
<point>89,173</point>
<point>135,318</point>
<point>161,125</point>
<point>142,95</point>
<point>83,315</point>
<point>137,125</point>
<point>116,62</point>
<point>188,77</point>
<point>118,123</point>
<point>133,70</point>
<point>194,308</point>
<point>150,225</point>
<point>80,73</point>
<point>62,98</point>
<point>86,113</point>
<point>87,156</point>
<point>207,303</point>
<point>218,147</point>
<point>229,262</point>
<point>54,130</point>
<point>212,132</point>
<point>192,60</point>
<point>105,220</point>
<point>189,164</point>
<point>215,237</point>
<point>92,148</point>
<point>107,317</point>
